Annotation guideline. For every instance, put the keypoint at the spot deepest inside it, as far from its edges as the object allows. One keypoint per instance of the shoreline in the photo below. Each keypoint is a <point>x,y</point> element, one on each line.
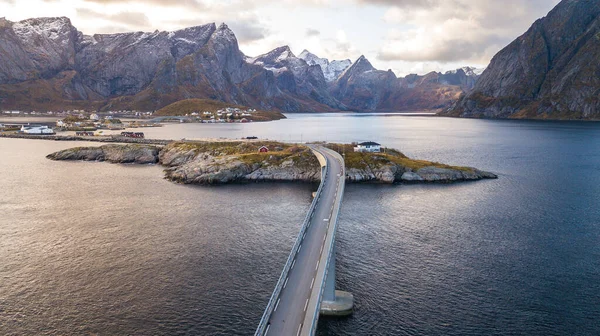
<point>104,139</point>
<point>226,162</point>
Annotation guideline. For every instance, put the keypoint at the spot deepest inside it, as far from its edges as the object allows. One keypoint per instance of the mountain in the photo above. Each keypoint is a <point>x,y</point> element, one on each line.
<point>550,72</point>
<point>361,87</point>
<point>465,77</point>
<point>47,64</point>
<point>331,70</point>
<point>296,77</point>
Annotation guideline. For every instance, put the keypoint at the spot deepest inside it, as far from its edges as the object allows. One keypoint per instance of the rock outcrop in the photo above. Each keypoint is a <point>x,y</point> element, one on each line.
<point>140,154</point>
<point>229,162</point>
<point>550,72</point>
<point>331,70</point>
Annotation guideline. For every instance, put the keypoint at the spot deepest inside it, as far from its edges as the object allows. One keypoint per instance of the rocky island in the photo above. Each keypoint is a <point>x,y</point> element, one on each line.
<point>241,161</point>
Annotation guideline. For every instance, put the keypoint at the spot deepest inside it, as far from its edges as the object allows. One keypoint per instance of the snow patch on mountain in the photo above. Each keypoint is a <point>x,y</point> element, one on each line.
<point>331,70</point>
<point>469,71</point>
<point>52,28</point>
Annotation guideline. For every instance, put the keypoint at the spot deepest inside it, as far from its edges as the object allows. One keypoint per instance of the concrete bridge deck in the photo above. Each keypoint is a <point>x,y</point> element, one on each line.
<point>306,287</point>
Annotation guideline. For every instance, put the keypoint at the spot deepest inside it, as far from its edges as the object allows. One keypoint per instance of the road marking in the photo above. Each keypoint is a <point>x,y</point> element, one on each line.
<point>304,235</point>
<point>267,330</point>
<point>312,283</point>
<point>306,305</point>
<point>322,246</point>
<point>277,304</point>
<point>299,328</point>
<point>326,220</point>
<point>285,283</point>
<point>293,263</point>
<point>317,267</point>
<point>299,248</point>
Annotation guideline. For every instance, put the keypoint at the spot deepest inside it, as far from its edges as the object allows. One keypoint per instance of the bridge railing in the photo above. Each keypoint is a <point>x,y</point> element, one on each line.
<point>331,232</point>
<point>262,327</point>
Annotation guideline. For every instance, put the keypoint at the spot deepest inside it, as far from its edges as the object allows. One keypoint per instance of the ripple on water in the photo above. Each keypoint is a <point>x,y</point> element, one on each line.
<point>94,248</point>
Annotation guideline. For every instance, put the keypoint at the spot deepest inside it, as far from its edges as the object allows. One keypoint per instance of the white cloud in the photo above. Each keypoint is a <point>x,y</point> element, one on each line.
<point>404,35</point>
<point>456,30</point>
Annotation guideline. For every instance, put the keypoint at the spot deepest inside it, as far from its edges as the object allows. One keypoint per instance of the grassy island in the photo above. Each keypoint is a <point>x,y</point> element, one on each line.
<point>201,162</point>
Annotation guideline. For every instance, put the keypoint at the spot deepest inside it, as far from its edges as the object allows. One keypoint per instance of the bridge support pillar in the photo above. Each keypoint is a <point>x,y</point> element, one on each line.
<point>335,302</point>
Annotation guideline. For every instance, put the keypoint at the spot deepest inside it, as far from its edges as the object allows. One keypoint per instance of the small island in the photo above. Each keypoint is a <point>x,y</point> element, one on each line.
<point>210,163</point>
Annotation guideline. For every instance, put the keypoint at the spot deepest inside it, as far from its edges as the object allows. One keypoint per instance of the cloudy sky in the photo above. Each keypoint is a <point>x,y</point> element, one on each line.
<point>407,36</point>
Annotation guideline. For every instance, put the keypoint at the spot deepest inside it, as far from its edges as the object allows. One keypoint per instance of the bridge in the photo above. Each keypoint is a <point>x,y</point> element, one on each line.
<point>306,287</point>
<point>161,119</point>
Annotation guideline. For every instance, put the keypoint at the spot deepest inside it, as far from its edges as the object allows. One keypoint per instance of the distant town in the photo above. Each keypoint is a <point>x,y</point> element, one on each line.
<point>85,123</point>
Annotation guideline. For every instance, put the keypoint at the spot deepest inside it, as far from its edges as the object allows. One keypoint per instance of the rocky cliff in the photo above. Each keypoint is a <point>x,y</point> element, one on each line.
<point>47,64</point>
<point>331,70</point>
<point>131,153</point>
<point>227,162</point>
<point>551,71</point>
<point>297,78</point>
<point>361,87</point>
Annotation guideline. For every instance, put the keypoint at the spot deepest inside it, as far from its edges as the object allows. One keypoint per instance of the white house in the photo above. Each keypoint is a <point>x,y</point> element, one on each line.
<point>36,129</point>
<point>368,147</point>
<point>94,117</point>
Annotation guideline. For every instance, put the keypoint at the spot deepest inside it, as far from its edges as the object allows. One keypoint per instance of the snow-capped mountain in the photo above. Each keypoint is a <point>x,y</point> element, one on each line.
<point>331,70</point>
<point>469,71</point>
<point>296,76</point>
<point>47,64</point>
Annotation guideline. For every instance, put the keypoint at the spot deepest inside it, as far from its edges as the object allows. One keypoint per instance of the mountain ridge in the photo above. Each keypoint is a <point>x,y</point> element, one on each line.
<point>47,64</point>
<point>549,72</point>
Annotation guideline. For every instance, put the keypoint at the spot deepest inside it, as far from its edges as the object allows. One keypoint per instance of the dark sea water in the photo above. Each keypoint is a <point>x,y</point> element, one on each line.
<point>101,249</point>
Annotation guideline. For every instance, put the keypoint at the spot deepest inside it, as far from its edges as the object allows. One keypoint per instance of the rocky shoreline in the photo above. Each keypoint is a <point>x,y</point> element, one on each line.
<point>230,162</point>
<point>105,139</point>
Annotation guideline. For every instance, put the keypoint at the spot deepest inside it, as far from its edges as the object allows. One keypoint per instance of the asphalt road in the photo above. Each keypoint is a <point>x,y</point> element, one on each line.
<point>291,307</point>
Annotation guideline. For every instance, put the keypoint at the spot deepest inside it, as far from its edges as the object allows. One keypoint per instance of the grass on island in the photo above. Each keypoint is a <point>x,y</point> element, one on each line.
<point>247,152</point>
<point>189,106</point>
<point>376,160</point>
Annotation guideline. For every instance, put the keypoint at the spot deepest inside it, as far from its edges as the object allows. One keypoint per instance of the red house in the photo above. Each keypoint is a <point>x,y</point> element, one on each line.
<point>263,149</point>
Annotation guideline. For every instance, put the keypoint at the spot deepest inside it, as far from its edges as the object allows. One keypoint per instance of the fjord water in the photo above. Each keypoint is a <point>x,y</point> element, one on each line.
<point>95,248</point>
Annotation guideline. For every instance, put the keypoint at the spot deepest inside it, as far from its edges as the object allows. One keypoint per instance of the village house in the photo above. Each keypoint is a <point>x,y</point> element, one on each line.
<point>368,147</point>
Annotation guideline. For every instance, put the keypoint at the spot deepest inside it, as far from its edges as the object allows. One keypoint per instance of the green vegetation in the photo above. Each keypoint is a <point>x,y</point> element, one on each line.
<point>230,147</point>
<point>248,152</point>
<point>301,156</point>
<point>112,121</point>
<point>389,156</point>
